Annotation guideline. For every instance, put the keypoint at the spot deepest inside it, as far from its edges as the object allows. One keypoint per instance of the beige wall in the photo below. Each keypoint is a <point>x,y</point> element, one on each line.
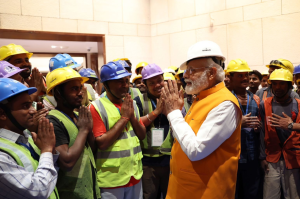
<point>161,31</point>
<point>255,30</point>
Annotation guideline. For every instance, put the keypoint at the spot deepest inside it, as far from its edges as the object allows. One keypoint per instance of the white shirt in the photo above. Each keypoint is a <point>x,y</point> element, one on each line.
<point>218,126</point>
<point>16,182</point>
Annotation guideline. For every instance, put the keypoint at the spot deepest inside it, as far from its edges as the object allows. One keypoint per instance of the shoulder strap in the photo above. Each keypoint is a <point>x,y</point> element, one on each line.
<point>257,100</point>
<point>265,95</point>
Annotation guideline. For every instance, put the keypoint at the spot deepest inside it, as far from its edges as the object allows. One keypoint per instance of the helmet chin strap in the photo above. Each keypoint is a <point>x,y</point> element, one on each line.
<point>12,118</point>
<point>108,90</point>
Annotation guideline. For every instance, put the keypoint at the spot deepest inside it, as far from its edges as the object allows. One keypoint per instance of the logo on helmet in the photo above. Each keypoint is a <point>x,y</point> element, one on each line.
<point>69,63</point>
<point>206,49</point>
<point>51,63</point>
<point>120,71</point>
<point>9,69</point>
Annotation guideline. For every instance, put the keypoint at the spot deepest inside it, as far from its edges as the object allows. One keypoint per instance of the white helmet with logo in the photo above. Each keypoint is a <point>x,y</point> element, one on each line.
<point>203,49</point>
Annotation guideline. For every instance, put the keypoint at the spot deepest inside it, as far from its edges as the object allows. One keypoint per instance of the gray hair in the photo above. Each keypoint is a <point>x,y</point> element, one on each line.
<point>220,76</point>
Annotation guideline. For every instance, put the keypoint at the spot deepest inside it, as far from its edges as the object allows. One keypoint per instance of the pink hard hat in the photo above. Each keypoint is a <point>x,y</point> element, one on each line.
<point>8,70</point>
<point>151,70</point>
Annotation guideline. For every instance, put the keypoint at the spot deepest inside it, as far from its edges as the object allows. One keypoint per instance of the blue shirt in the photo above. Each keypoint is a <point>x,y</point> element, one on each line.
<point>249,138</point>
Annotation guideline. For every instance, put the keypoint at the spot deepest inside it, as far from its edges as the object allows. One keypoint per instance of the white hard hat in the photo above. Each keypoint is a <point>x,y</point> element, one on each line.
<point>168,70</point>
<point>203,49</point>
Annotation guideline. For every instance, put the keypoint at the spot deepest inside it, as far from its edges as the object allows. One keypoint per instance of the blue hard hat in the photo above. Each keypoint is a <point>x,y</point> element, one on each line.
<point>296,70</point>
<point>113,71</point>
<point>87,72</point>
<point>123,63</point>
<point>10,87</point>
<point>61,61</point>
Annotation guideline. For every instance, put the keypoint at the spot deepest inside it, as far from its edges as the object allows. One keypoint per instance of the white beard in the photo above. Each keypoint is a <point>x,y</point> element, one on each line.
<point>198,85</point>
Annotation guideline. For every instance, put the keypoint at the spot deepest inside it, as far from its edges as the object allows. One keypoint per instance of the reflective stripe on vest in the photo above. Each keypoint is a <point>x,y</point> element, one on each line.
<point>122,160</point>
<point>23,157</point>
<point>166,146</point>
<point>28,164</point>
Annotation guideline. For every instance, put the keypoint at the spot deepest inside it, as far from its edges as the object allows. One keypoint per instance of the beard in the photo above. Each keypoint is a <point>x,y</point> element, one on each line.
<point>197,85</point>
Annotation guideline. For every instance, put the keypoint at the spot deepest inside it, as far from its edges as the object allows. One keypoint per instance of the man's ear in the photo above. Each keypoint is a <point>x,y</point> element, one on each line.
<point>3,116</point>
<point>212,73</point>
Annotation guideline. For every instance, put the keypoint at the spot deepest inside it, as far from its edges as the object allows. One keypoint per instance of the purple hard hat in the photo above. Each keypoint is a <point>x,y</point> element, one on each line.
<point>151,70</point>
<point>7,70</point>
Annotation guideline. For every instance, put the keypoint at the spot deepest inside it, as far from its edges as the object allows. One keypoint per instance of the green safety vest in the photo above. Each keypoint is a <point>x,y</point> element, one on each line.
<point>134,92</point>
<point>23,157</point>
<point>77,183</point>
<point>187,106</point>
<point>122,159</point>
<point>147,149</point>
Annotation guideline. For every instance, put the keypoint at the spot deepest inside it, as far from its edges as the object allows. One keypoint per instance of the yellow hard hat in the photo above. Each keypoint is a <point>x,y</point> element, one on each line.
<point>116,59</point>
<point>173,68</point>
<point>169,76</point>
<point>282,63</point>
<point>12,49</point>
<point>60,76</point>
<point>266,72</point>
<point>140,65</point>
<point>281,75</point>
<point>238,65</point>
<point>178,73</point>
<point>137,77</point>
<point>121,59</point>
<point>225,71</point>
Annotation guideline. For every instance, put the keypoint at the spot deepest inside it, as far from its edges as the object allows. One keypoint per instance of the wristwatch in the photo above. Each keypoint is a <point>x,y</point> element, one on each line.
<point>290,126</point>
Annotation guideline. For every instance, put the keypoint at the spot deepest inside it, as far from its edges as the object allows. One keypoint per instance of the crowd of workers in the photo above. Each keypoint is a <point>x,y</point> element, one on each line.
<point>194,131</point>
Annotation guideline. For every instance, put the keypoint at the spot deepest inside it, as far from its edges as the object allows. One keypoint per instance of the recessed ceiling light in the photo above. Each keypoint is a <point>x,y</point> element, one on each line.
<point>53,46</point>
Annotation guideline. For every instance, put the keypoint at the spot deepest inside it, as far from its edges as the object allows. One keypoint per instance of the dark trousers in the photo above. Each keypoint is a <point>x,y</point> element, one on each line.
<point>249,181</point>
<point>155,181</point>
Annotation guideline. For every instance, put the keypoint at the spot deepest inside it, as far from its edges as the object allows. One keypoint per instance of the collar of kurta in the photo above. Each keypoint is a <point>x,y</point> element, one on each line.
<point>210,91</point>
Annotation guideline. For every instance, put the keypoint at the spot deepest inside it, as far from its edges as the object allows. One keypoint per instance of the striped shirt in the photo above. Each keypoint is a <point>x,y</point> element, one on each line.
<point>16,182</point>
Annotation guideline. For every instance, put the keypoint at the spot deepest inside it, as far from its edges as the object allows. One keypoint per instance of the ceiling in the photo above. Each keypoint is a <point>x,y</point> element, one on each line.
<point>48,46</point>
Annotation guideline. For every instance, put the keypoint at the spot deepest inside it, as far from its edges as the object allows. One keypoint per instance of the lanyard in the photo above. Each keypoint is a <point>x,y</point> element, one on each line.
<point>154,105</point>
<point>32,152</point>
<point>248,102</point>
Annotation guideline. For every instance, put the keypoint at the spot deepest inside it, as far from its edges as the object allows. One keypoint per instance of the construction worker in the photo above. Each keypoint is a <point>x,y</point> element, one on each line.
<point>61,61</point>
<point>139,67</point>
<point>265,92</point>
<point>19,57</point>
<point>168,76</point>
<point>279,141</point>
<point>74,137</point>
<point>118,131</point>
<point>248,183</point>
<point>157,145</point>
<point>264,80</point>
<point>27,163</point>
<point>133,92</point>
<point>137,80</point>
<point>255,78</point>
<point>296,78</point>
<point>206,149</point>
<point>91,83</point>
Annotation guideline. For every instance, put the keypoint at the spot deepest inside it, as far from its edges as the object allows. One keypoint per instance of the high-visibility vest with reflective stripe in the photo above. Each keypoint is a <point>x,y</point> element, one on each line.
<point>23,157</point>
<point>90,92</point>
<point>147,149</point>
<point>77,183</point>
<point>122,159</point>
<point>186,105</point>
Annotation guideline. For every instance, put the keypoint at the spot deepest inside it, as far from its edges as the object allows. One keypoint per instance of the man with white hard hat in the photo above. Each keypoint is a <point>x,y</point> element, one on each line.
<point>206,149</point>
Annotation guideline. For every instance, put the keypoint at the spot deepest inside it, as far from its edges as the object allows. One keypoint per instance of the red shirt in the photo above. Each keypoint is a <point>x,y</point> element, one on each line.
<point>99,129</point>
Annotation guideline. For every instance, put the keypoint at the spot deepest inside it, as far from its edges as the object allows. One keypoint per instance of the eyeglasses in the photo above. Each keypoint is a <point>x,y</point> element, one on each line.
<point>192,70</point>
<point>276,62</point>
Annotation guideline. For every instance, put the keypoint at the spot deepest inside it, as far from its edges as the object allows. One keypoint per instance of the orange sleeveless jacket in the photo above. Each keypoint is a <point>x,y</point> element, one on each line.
<point>291,147</point>
<point>215,175</point>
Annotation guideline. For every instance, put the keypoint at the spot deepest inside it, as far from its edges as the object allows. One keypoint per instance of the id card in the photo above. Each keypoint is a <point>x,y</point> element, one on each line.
<point>157,137</point>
